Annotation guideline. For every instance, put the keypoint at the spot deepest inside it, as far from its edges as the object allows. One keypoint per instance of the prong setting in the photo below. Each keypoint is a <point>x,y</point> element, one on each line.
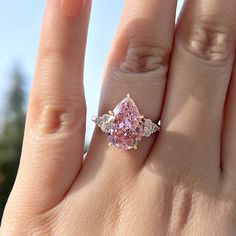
<point>111,113</point>
<point>125,126</point>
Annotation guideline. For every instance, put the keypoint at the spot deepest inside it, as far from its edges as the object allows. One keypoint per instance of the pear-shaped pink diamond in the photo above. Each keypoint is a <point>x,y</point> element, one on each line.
<point>127,129</point>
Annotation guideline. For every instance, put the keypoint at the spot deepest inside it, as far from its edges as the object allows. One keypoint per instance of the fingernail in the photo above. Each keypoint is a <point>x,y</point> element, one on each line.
<point>72,7</point>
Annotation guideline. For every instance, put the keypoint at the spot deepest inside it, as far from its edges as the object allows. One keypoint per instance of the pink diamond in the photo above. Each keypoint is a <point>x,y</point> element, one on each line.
<point>127,128</point>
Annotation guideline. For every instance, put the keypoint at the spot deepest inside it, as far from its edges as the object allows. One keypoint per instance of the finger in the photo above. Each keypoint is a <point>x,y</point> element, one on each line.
<point>229,135</point>
<point>138,65</point>
<point>54,135</point>
<point>198,82</point>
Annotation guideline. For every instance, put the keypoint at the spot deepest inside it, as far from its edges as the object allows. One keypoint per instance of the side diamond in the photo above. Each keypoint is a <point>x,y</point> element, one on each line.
<point>104,121</point>
<point>149,128</point>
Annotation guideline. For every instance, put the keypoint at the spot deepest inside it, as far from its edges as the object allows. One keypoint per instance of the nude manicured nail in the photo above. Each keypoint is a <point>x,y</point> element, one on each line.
<point>72,7</point>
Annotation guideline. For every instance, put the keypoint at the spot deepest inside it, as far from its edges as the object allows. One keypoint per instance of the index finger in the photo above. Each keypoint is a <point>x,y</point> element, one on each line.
<point>54,135</point>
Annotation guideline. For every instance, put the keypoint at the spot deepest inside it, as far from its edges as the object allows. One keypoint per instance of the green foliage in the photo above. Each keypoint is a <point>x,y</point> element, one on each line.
<point>11,136</point>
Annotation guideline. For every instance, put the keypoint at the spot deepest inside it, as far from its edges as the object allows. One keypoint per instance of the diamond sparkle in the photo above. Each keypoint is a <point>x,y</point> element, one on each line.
<point>125,127</point>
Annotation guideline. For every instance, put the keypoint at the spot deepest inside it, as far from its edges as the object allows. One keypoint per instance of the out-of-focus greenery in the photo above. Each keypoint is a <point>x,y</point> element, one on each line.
<point>11,136</point>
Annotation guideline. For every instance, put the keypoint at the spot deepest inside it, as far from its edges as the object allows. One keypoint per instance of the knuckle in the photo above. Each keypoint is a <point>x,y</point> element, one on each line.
<point>141,54</point>
<point>51,119</point>
<point>141,58</point>
<point>210,40</point>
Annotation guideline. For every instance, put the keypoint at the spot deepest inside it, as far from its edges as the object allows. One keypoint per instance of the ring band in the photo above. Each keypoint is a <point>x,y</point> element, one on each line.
<point>125,126</point>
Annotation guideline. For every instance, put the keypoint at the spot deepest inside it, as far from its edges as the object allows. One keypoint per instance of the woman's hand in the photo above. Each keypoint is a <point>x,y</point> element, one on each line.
<point>180,182</point>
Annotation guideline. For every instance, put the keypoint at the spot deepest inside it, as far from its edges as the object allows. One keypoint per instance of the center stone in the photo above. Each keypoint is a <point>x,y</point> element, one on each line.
<point>126,130</point>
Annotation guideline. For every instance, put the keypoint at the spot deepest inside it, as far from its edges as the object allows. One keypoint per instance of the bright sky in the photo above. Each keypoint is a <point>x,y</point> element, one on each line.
<point>20,23</point>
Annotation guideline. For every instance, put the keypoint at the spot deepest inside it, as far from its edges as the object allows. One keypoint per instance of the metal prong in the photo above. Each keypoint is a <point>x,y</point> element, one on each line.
<point>128,95</point>
<point>135,147</point>
<point>93,118</point>
<point>142,117</point>
<point>111,113</point>
<point>110,144</point>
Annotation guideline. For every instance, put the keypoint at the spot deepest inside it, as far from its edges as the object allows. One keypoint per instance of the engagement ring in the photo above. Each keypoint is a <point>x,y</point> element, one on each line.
<point>125,126</point>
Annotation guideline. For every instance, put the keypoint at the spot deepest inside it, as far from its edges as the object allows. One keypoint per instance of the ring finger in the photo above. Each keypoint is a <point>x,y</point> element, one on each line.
<point>138,65</point>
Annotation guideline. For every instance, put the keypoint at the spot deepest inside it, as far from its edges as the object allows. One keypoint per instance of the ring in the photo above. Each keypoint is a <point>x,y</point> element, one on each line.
<point>125,126</point>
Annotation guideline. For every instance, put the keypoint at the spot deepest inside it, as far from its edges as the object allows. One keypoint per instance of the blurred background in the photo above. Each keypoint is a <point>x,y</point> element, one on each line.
<point>20,23</point>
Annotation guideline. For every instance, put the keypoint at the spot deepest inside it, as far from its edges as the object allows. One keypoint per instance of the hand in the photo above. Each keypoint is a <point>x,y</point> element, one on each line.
<point>179,182</point>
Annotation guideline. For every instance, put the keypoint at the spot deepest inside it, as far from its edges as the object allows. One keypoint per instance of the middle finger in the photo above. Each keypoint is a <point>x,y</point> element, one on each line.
<point>199,76</point>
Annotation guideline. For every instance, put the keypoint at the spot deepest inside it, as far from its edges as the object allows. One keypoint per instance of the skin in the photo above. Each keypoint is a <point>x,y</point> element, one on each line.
<point>179,182</point>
